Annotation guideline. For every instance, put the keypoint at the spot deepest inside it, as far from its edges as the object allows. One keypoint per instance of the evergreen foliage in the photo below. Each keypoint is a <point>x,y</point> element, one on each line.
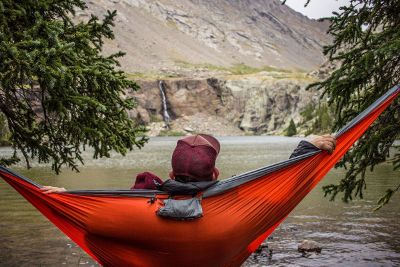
<point>291,130</point>
<point>321,117</point>
<point>4,132</point>
<point>58,93</point>
<point>367,47</point>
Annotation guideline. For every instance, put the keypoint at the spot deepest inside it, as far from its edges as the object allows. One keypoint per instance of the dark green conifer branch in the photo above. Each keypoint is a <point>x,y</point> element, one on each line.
<point>57,91</point>
<point>366,47</point>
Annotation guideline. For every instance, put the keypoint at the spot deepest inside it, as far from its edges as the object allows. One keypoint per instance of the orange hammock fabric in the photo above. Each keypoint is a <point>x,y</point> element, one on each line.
<point>121,228</point>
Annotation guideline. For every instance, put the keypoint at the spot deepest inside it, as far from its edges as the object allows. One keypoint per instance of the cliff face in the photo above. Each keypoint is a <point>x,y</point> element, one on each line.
<point>208,38</point>
<point>261,104</point>
<point>169,34</point>
<point>257,104</point>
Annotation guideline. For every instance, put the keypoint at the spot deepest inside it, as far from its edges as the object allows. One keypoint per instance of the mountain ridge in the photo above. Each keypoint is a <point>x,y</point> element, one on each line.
<point>160,35</point>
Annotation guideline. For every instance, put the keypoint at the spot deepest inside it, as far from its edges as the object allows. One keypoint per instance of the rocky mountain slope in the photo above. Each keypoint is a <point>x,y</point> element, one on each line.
<point>194,46</point>
<point>170,34</point>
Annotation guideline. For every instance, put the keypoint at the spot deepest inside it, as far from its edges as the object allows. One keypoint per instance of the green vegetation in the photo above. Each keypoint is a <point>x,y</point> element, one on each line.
<point>323,119</point>
<point>366,45</point>
<point>150,76</point>
<point>291,130</point>
<point>308,112</point>
<point>241,69</point>
<point>319,118</point>
<point>235,70</point>
<point>171,133</point>
<point>4,132</point>
<point>58,93</point>
<point>155,118</point>
<point>238,69</point>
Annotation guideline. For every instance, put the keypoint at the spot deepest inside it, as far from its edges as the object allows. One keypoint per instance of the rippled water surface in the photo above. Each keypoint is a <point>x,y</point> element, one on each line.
<point>350,234</point>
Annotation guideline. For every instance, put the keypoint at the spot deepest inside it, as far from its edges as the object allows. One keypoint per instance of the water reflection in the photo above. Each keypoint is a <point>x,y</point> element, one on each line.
<point>350,234</point>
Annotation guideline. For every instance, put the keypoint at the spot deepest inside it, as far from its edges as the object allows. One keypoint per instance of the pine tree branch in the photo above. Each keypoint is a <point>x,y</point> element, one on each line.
<point>366,47</point>
<point>58,93</point>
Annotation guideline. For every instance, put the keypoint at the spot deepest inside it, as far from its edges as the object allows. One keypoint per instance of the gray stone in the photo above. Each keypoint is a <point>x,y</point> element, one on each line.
<point>188,129</point>
<point>309,246</point>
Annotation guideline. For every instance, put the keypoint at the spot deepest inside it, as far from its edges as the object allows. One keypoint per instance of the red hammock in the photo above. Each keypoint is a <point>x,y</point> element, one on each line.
<point>121,228</point>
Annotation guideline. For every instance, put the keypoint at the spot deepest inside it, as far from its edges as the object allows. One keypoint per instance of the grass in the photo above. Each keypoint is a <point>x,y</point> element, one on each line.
<point>237,69</point>
<point>150,76</point>
<point>155,118</point>
<point>4,131</point>
<point>171,133</point>
<point>234,70</point>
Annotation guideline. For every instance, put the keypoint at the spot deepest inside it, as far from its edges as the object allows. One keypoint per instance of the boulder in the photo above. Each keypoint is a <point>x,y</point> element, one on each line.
<point>309,246</point>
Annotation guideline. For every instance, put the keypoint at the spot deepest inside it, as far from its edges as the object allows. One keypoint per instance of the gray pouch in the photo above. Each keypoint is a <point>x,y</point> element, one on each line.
<point>183,209</point>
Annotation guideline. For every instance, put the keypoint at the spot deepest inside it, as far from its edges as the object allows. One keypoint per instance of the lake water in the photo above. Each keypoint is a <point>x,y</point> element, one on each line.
<point>350,234</point>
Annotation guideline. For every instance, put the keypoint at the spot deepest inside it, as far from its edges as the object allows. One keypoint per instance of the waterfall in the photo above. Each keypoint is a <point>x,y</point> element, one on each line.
<point>166,116</point>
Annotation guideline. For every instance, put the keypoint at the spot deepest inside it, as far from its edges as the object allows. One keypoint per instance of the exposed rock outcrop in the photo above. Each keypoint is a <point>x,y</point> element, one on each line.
<point>256,104</point>
<point>261,104</point>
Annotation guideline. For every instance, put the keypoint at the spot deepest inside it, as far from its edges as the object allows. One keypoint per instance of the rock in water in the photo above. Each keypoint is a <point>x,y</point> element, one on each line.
<point>309,246</point>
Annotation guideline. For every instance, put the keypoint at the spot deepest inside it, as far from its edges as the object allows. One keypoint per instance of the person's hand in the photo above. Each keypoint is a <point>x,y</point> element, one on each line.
<point>325,142</point>
<point>52,189</point>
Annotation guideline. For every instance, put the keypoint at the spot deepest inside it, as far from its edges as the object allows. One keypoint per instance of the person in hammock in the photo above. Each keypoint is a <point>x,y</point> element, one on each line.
<point>193,160</point>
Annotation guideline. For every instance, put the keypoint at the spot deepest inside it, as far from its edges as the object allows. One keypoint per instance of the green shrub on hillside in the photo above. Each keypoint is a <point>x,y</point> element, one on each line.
<point>321,118</point>
<point>4,132</point>
<point>291,130</point>
<point>171,133</point>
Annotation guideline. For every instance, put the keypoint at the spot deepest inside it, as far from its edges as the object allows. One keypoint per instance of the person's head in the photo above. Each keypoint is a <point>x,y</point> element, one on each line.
<point>194,158</point>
